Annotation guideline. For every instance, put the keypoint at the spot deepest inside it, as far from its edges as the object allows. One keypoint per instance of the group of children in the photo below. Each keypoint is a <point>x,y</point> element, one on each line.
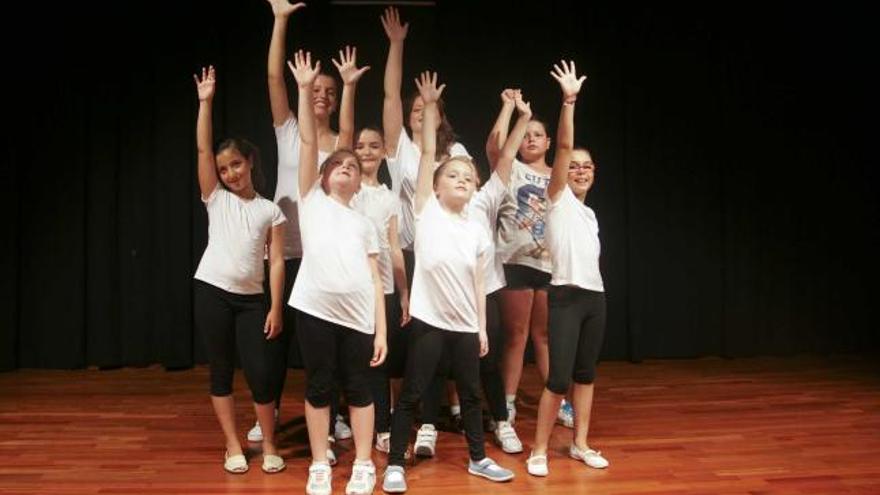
<point>431,279</point>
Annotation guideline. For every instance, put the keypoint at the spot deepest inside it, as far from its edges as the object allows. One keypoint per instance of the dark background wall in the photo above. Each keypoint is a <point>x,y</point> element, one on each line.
<point>737,193</point>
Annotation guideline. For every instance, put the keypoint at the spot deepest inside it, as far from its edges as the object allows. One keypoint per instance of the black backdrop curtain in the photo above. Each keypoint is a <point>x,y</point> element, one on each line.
<point>736,194</point>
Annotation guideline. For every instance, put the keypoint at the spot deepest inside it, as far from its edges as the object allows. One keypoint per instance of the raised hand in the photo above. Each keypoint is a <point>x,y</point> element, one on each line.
<point>391,22</point>
<point>428,90</point>
<point>283,8</point>
<point>508,95</point>
<point>347,66</point>
<point>567,78</point>
<point>302,68</point>
<point>523,107</point>
<point>207,84</point>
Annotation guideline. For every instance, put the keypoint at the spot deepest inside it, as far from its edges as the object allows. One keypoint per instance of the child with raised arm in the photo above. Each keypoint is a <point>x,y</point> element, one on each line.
<point>338,295</point>
<point>229,304</point>
<point>576,296</point>
<point>448,297</point>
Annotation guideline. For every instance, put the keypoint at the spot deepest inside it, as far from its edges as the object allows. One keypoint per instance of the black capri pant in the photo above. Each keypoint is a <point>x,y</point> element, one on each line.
<point>228,322</point>
<point>576,327</point>
<point>332,351</point>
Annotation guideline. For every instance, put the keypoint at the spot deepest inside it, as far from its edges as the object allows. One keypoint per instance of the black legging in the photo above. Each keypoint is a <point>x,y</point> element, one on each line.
<point>287,350</point>
<point>576,326</point>
<point>393,367</point>
<point>426,347</point>
<point>490,375</point>
<point>335,357</point>
<point>228,322</point>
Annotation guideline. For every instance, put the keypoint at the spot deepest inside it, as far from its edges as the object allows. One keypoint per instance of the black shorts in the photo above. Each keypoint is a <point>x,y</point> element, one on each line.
<point>525,277</point>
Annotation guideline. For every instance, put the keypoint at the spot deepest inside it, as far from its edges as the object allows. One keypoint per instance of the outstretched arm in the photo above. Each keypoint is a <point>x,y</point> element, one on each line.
<point>350,74</point>
<point>571,86</point>
<point>514,139</point>
<point>305,75</point>
<point>281,9</point>
<point>392,105</point>
<point>498,134</point>
<point>204,131</point>
<point>430,93</point>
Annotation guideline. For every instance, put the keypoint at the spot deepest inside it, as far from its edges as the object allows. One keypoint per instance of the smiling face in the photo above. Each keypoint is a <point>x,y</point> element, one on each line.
<point>324,97</point>
<point>370,149</point>
<point>455,181</point>
<point>234,170</point>
<point>581,172</point>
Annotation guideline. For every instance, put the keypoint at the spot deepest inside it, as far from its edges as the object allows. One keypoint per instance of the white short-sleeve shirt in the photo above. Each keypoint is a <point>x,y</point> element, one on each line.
<point>447,249</point>
<point>238,230</point>
<point>335,282</point>
<point>380,205</point>
<point>483,210</point>
<point>287,188</point>
<point>404,170</point>
<point>573,240</point>
<point>520,239</point>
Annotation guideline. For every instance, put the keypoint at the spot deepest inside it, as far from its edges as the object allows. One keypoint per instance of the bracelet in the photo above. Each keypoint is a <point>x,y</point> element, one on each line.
<point>569,100</point>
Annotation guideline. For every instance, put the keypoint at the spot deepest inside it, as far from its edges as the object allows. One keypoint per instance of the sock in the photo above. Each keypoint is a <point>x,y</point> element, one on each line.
<point>455,409</point>
<point>511,398</point>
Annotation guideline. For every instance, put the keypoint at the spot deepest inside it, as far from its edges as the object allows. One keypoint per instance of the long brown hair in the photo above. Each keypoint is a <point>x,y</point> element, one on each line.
<point>248,150</point>
<point>446,136</point>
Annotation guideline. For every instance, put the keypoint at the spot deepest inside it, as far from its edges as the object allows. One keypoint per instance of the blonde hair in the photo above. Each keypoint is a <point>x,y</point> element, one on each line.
<point>457,158</point>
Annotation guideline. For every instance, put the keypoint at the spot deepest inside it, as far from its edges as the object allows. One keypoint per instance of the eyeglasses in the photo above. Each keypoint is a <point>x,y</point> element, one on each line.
<point>576,167</point>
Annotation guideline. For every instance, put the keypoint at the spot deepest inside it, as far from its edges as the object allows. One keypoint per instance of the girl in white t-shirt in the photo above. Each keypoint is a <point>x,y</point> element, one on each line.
<point>338,295</point>
<point>229,304</point>
<point>325,101</point>
<point>448,298</point>
<point>576,296</point>
<point>382,207</point>
<point>403,148</point>
<point>521,245</point>
<point>483,209</point>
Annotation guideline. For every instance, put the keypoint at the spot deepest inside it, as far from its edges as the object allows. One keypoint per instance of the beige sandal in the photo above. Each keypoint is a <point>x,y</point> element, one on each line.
<point>273,464</point>
<point>235,464</point>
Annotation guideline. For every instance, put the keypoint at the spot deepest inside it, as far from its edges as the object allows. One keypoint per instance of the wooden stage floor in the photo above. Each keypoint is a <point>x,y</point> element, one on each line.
<point>713,426</point>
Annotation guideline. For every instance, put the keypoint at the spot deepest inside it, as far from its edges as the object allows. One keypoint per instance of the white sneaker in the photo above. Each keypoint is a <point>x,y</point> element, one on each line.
<point>506,437</point>
<point>363,478</point>
<point>331,456</point>
<point>320,476</point>
<point>565,415</point>
<point>537,465</point>
<point>255,434</point>
<point>383,442</point>
<point>592,458</point>
<point>394,480</point>
<point>341,431</point>
<point>511,413</point>
<point>426,441</point>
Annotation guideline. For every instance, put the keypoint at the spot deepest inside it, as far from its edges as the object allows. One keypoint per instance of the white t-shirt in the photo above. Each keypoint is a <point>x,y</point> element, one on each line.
<point>483,210</point>
<point>334,281</point>
<point>573,240</point>
<point>237,233</point>
<point>380,205</point>
<point>447,249</point>
<point>404,170</point>
<point>287,188</point>
<point>520,238</point>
